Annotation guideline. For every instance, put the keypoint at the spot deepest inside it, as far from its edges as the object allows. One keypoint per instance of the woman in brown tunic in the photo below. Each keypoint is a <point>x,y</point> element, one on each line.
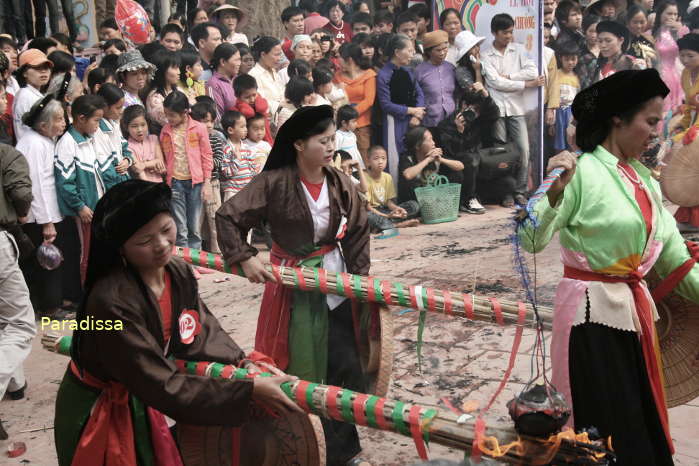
<point>122,382</point>
<point>318,220</point>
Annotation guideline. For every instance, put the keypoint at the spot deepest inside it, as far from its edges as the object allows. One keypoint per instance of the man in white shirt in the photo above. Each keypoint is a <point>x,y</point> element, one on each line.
<point>508,71</point>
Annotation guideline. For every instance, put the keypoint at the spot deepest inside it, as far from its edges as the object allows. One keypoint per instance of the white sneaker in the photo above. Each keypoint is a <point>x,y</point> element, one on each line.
<point>473,207</point>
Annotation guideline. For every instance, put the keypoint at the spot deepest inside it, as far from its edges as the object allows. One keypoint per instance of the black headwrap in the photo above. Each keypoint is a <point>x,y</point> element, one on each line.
<point>296,127</point>
<point>617,29</point>
<point>32,115</point>
<point>121,212</point>
<point>689,42</point>
<point>613,96</point>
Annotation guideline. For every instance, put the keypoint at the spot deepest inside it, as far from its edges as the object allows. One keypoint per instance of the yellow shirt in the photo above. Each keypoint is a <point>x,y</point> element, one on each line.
<point>380,191</point>
<point>181,166</point>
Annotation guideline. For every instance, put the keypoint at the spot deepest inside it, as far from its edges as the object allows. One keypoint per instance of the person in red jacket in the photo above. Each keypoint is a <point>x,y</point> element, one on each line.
<point>250,102</point>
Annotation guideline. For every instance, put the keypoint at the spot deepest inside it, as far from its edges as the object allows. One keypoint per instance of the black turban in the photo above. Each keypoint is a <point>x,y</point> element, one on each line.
<point>296,127</point>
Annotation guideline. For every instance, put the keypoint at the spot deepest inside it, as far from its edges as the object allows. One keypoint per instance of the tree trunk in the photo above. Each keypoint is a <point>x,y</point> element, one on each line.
<point>264,17</point>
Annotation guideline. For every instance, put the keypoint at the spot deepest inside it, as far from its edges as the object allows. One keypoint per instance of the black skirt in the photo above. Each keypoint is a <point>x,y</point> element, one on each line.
<point>611,391</point>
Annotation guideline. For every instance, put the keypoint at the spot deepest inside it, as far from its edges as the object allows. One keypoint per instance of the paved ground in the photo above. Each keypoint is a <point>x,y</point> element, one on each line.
<point>463,361</point>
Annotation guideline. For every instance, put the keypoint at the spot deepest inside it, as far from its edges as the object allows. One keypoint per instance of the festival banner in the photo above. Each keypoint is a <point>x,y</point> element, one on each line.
<point>476,16</point>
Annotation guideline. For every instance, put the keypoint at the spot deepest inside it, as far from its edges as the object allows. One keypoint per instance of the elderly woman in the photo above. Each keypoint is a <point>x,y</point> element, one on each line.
<point>48,288</point>
<point>302,49</point>
<point>613,40</point>
<point>613,230</point>
<point>436,78</point>
<point>450,21</point>
<point>400,97</point>
<point>122,380</point>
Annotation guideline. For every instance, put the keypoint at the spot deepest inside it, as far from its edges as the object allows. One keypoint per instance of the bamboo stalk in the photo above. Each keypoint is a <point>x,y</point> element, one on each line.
<point>440,427</point>
<point>372,290</point>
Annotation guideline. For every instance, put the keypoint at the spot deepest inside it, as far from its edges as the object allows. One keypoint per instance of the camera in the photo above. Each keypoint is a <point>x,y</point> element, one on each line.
<point>469,116</point>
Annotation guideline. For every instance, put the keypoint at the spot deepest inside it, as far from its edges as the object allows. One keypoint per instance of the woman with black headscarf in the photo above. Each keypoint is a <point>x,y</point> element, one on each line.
<point>613,39</point>
<point>613,231</point>
<point>316,219</point>
<point>141,309</point>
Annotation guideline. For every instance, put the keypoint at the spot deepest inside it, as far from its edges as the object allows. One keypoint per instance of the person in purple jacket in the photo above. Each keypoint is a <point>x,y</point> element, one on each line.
<point>400,97</point>
<point>436,77</point>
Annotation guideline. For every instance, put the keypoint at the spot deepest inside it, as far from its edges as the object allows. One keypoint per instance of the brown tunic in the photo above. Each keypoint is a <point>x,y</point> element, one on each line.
<point>277,197</point>
<point>134,356</point>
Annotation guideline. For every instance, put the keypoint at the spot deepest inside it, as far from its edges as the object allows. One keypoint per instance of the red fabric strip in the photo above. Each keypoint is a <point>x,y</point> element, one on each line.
<point>451,407</point>
<point>416,431</point>
<point>468,305</point>
<point>347,284</point>
<point>358,408</point>
<point>323,279</point>
<point>331,402</point>
<point>431,304</point>
<point>180,365</point>
<point>201,368</point>
<point>386,290</point>
<point>227,371</point>
<point>218,262</point>
<point>478,432</point>
<point>301,279</point>
<point>497,309</point>
<point>413,297</point>
<point>300,395</point>
<point>676,276</point>
<point>370,291</point>
<point>378,413</point>
<point>447,302</point>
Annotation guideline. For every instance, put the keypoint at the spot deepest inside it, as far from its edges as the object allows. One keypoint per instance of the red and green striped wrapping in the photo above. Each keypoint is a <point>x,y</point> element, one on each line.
<point>323,400</point>
<point>368,289</point>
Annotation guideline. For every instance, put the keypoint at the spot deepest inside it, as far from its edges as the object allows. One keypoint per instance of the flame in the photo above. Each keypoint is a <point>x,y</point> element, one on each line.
<point>539,453</point>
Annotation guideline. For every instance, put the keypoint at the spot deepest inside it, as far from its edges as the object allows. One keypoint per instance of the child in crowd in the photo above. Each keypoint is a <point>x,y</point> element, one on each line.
<point>133,73</point>
<point>350,167</point>
<point>256,142</point>
<point>383,212</point>
<point>98,77</point>
<point>188,160</point>
<point>190,74</point>
<point>238,167</point>
<point>147,156</point>
<point>205,112</point>
<point>113,146</point>
<point>326,92</point>
<point>250,103</point>
<point>80,179</point>
<point>345,139</point>
<point>565,87</point>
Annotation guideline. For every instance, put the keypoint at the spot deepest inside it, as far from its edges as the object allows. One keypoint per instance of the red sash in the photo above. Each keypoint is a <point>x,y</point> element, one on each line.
<point>648,335</point>
<point>108,437</point>
<point>272,337</point>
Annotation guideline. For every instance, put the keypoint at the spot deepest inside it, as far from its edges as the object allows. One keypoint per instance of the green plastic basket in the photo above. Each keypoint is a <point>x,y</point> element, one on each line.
<point>439,200</point>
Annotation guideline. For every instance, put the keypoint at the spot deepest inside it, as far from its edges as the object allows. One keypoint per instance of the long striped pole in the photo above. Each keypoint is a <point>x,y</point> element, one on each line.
<point>420,423</point>
<point>384,292</point>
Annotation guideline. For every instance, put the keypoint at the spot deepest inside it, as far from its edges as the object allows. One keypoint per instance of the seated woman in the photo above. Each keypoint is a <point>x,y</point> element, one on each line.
<point>121,382</point>
<point>421,159</point>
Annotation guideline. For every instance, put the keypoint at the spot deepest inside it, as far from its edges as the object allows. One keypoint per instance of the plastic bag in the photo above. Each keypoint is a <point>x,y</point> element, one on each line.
<point>133,21</point>
<point>49,256</point>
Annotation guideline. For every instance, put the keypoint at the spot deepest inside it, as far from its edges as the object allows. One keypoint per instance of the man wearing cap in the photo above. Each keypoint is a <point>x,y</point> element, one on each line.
<point>436,78</point>
<point>16,311</point>
<point>34,72</point>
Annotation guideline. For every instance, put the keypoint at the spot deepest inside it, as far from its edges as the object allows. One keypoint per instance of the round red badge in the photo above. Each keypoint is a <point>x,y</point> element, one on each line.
<point>189,326</point>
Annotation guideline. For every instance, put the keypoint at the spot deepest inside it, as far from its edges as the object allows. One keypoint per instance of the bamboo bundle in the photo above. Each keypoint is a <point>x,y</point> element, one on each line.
<point>420,423</point>
<point>373,290</point>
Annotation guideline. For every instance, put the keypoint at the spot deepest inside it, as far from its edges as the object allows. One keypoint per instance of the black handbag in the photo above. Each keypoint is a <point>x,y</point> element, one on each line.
<point>498,161</point>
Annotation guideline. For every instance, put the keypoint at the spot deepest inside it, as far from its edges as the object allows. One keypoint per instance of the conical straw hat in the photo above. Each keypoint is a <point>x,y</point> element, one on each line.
<point>680,179</point>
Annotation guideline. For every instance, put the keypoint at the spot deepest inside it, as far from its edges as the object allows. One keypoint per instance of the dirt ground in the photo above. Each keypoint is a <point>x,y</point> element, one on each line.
<point>462,360</point>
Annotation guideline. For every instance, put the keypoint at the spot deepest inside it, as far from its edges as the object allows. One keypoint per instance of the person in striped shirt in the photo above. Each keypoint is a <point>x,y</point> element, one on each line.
<point>238,165</point>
